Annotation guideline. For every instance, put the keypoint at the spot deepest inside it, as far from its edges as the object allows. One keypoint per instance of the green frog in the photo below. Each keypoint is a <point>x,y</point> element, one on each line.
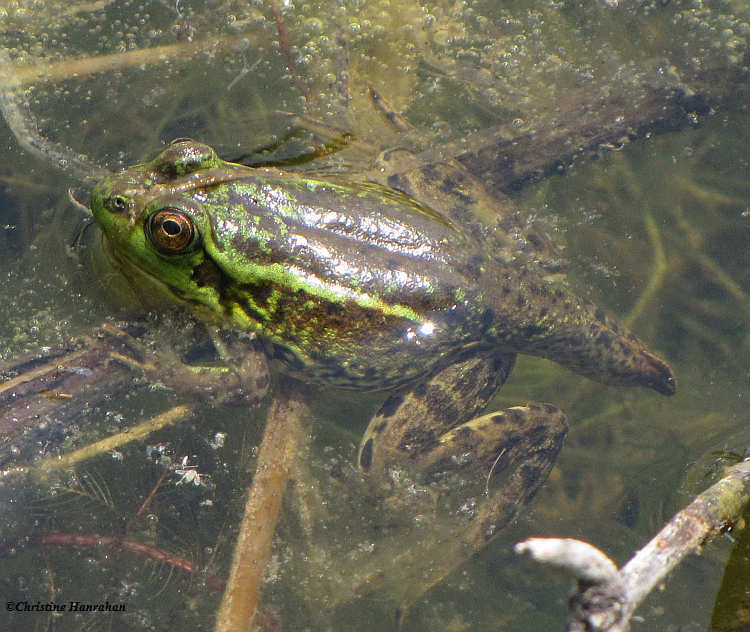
<point>370,285</point>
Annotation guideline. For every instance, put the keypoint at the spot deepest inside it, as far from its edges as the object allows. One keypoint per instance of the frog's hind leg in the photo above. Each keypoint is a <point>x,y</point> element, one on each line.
<point>495,462</point>
<point>431,435</point>
<point>411,421</point>
<point>459,476</point>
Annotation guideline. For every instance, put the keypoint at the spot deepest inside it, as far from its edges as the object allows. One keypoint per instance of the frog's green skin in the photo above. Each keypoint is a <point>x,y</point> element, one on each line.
<point>355,284</point>
<point>360,285</point>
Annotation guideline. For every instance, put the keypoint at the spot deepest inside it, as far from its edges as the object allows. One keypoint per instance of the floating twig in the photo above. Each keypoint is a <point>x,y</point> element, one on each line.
<point>606,599</point>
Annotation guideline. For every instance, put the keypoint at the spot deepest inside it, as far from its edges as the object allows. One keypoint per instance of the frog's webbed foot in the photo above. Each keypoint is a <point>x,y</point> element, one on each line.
<point>477,471</point>
<point>510,452</point>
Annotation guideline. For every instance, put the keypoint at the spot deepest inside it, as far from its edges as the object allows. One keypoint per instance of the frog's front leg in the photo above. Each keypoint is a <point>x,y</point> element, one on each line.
<point>430,436</point>
<point>210,365</point>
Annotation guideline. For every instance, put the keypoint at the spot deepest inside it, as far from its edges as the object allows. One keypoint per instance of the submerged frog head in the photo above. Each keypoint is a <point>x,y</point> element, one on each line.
<point>152,228</point>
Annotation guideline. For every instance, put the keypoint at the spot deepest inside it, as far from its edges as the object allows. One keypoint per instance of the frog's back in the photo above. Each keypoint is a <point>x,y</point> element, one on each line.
<point>351,239</point>
<point>356,284</point>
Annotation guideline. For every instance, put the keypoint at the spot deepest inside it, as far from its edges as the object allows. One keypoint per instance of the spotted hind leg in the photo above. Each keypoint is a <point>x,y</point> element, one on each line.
<point>478,470</point>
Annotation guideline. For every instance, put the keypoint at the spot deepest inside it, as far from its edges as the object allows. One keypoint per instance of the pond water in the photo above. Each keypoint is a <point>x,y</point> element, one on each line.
<point>656,232</point>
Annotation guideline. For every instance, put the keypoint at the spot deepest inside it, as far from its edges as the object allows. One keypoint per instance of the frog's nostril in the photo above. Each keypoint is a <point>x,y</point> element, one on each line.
<point>116,204</point>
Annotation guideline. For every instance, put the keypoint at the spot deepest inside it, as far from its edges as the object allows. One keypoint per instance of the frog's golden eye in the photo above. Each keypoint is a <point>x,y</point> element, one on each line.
<point>116,204</point>
<point>171,231</point>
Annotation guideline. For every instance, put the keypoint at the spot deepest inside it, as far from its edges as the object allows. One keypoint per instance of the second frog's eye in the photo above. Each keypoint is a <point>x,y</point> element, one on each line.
<point>171,231</point>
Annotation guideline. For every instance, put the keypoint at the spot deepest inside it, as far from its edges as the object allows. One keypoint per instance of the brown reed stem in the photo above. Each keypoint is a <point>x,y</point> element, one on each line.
<point>253,549</point>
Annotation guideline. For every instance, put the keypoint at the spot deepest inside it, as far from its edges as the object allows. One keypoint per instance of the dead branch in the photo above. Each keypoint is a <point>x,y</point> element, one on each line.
<point>605,599</point>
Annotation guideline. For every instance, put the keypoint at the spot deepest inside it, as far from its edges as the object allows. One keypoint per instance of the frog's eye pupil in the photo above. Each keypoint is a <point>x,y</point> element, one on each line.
<point>171,231</point>
<point>170,227</point>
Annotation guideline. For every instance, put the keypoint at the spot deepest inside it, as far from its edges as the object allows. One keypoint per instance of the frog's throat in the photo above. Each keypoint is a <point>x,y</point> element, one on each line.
<point>149,288</point>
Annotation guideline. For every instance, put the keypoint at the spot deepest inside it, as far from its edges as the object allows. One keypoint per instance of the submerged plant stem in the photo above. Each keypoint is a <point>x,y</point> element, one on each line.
<point>657,276</point>
<point>135,433</point>
<point>253,549</point>
<point>52,72</point>
<point>96,541</point>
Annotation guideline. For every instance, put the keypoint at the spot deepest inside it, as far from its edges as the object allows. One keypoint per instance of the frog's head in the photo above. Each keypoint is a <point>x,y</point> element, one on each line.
<point>153,228</point>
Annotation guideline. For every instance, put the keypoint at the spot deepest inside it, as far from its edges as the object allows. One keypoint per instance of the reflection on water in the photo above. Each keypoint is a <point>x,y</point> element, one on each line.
<point>657,233</point>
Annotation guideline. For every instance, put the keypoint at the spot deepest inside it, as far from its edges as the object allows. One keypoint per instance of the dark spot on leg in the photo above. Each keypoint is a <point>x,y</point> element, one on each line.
<point>365,457</point>
<point>605,339</point>
<point>417,441</point>
<point>398,182</point>
<point>420,390</point>
<point>531,477</point>
<point>390,406</point>
<point>538,436</point>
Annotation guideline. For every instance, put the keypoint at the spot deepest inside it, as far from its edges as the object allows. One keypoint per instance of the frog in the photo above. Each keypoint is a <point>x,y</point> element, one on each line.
<point>412,286</point>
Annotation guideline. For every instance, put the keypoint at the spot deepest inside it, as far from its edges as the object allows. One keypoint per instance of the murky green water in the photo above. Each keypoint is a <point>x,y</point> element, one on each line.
<point>657,233</point>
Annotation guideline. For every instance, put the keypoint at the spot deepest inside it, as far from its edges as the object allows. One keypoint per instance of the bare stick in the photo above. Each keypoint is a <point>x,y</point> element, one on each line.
<point>253,549</point>
<point>605,599</point>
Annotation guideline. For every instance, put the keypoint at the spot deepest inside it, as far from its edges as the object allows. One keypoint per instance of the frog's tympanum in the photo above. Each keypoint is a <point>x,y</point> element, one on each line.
<point>364,286</point>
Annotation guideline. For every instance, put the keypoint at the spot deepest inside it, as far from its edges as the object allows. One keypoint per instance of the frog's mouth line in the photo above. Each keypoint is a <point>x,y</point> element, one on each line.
<point>149,289</point>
